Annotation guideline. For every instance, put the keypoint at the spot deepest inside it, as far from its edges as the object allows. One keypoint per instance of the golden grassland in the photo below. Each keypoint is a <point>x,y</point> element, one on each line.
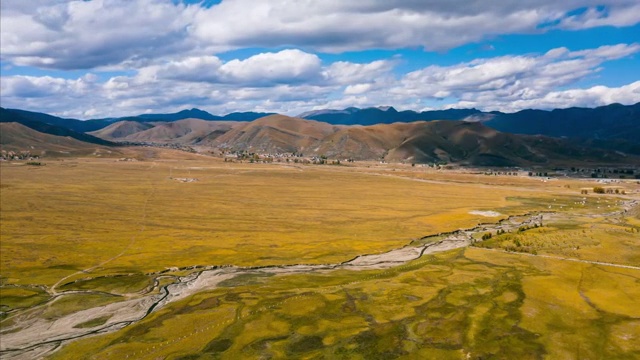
<point>131,217</point>
<point>464,303</point>
<point>104,225</point>
<point>611,239</point>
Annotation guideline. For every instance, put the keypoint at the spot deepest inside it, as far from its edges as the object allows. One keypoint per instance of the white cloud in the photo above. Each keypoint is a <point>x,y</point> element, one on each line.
<point>125,34</point>
<point>293,81</point>
<point>90,34</point>
<point>508,79</point>
<point>591,97</point>
<point>345,73</point>
<point>626,14</point>
<point>336,25</point>
<point>286,66</point>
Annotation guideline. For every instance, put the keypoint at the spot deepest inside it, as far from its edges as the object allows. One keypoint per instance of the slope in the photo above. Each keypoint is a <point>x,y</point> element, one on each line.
<point>12,116</point>
<point>18,137</point>
<point>71,124</point>
<point>121,129</point>
<point>276,133</point>
<point>613,121</point>
<point>186,132</point>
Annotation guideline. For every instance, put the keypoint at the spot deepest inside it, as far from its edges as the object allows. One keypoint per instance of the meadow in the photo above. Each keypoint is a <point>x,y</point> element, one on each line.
<point>132,217</point>
<point>462,304</point>
<point>109,228</point>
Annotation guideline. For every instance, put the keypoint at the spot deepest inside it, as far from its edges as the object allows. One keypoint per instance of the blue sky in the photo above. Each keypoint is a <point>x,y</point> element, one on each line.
<point>103,58</point>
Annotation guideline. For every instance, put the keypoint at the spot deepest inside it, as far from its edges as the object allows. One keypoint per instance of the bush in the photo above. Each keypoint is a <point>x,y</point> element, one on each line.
<point>598,190</point>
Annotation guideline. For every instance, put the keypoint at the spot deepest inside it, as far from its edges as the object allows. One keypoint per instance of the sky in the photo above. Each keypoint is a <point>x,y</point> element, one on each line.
<point>110,58</point>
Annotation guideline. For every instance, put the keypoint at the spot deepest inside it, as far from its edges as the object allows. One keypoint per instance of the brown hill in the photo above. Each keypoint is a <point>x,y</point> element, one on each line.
<point>277,133</point>
<point>186,131</point>
<point>467,143</point>
<point>366,142</point>
<point>470,143</point>
<point>121,129</point>
<point>17,137</point>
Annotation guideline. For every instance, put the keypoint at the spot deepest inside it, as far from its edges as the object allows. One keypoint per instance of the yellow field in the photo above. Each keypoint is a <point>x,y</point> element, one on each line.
<point>131,217</point>
<point>466,303</point>
<point>110,226</point>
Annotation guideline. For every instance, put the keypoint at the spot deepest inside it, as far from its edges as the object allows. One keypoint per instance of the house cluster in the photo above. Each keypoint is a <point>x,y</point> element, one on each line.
<point>279,157</point>
<point>606,172</point>
<point>17,155</point>
<point>162,145</point>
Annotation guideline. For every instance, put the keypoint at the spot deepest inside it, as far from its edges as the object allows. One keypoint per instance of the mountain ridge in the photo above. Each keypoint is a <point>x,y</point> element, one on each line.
<point>609,122</point>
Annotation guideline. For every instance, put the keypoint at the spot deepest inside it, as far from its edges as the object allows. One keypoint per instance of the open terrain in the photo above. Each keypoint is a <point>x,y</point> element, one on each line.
<point>176,255</point>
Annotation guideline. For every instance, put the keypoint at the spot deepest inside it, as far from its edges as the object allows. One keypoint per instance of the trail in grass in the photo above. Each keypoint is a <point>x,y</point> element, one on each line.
<point>562,258</point>
<point>132,241</point>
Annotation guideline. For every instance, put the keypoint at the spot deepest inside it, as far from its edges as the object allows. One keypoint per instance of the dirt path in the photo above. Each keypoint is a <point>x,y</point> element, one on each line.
<point>53,290</point>
<point>561,258</point>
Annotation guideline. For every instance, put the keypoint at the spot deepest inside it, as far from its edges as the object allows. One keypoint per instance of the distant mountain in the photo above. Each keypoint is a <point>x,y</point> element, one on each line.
<point>613,121</point>
<point>97,124</point>
<point>7,116</point>
<point>200,114</point>
<point>71,124</point>
<point>384,115</point>
<point>487,137</point>
<point>245,116</point>
<point>463,142</point>
<point>184,114</point>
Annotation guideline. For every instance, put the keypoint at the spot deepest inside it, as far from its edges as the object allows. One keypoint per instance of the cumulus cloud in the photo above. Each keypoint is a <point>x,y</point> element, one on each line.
<point>90,34</point>
<point>337,26</point>
<point>77,34</point>
<point>591,97</point>
<point>292,81</point>
<point>509,79</point>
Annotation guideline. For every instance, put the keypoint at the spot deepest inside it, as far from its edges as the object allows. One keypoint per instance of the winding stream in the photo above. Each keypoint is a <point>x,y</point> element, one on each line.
<point>34,337</point>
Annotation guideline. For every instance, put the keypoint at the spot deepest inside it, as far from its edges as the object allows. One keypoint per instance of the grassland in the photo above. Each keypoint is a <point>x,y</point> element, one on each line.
<point>107,228</point>
<point>73,215</point>
<point>447,306</point>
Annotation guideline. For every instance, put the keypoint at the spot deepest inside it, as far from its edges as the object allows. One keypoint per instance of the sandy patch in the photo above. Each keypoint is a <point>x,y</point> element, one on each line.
<point>485,213</point>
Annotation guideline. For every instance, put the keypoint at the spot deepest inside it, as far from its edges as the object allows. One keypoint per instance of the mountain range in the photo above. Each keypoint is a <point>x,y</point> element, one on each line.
<point>466,136</point>
<point>613,121</point>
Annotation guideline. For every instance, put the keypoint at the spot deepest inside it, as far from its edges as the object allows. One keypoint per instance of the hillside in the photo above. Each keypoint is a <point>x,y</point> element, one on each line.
<point>79,126</point>
<point>613,121</point>
<point>450,141</point>
<point>435,141</point>
<point>276,133</point>
<point>121,130</point>
<point>12,116</point>
<point>610,122</point>
<point>18,137</point>
<point>470,143</point>
<point>187,131</point>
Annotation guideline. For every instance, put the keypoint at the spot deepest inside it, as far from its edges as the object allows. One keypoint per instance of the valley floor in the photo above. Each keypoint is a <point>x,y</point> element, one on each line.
<point>110,259</point>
